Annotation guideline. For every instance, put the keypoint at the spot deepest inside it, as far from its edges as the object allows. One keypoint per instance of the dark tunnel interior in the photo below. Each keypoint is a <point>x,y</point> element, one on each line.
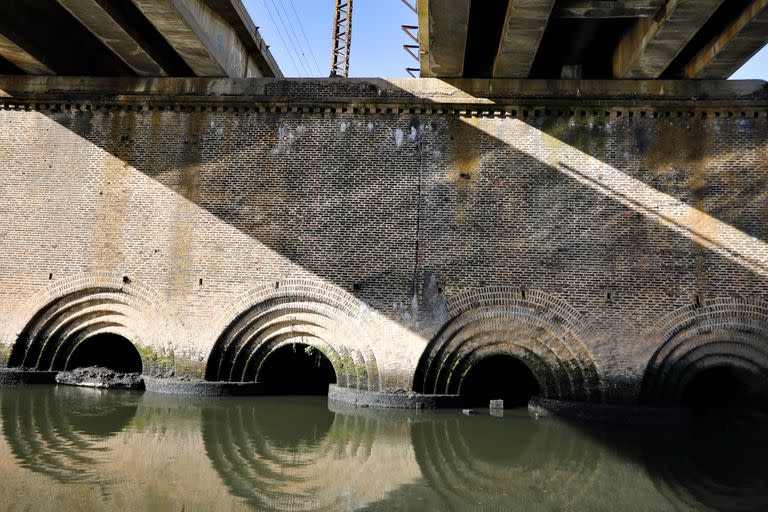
<point>297,369</point>
<point>499,377</point>
<point>106,350</point>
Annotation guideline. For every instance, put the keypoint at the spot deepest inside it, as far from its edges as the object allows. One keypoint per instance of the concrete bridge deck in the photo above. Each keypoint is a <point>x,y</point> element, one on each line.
<point>208,38</point>
<point>597,39</point>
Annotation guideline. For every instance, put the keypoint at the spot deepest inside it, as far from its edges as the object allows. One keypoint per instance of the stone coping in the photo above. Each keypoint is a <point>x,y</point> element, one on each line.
<point>391,399</point>
<point>618,414</point>
<point>13,377</point>
<point>364,93</point>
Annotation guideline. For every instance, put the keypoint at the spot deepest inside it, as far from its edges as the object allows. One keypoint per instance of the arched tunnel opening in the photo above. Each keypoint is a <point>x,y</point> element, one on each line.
<point>724,388</point>
<point>106,350</point>
<point>297,369</point>
<point>499,377</point>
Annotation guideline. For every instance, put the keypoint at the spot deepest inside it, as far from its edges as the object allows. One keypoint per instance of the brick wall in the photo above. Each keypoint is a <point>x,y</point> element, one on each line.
<point>387,235</point>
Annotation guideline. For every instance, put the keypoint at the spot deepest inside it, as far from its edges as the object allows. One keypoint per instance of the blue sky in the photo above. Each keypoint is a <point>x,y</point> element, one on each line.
<point>299,35</point>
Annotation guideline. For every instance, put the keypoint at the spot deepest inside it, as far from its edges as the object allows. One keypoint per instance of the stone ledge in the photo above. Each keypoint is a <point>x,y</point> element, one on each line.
<point>391,399</point>
<point>12,377</point>
<point>200,388</point>
<point>369,92</point>
<point>539,407</point>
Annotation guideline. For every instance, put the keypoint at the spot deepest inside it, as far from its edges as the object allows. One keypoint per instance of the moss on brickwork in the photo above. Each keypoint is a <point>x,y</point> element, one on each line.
<point>156,363</point>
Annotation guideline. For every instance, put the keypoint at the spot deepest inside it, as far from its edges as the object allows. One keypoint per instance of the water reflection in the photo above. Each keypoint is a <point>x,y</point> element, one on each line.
<point>95,450</point>
<point>505,463</point>
<point>716,464</point>
<point>300,456</point>
<point>59,431</point>
<point>295,454</point>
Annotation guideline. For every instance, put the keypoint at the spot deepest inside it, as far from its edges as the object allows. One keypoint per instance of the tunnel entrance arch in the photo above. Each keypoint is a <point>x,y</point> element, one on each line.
<point>711,357</point>
<point>296,369</point>
<point>537,341</point>
<point>499,377</point>
<point>106,350</point>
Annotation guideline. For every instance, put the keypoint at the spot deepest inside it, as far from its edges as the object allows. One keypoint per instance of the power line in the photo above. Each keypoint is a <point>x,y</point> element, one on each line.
<point>288,51</point>
<point>298,41</point>
<point>311,51</point>
<point>288,35</point>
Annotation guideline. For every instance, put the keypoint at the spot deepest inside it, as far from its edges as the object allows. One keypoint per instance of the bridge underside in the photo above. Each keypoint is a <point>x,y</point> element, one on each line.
<point>596,39</point>
<point>185,38</point>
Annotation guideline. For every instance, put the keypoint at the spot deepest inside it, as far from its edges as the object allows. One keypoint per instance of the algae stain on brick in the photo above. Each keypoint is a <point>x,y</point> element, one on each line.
<point>464,158</point>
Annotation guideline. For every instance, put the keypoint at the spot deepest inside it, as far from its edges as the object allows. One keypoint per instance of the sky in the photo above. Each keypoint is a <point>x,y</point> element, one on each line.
<point>299,33</point>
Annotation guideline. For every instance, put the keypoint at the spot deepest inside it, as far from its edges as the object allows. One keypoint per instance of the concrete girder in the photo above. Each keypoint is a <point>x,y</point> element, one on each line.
<point>443,27</point>
<point>100,23</point>
<point>650,46</point>
<point>607,8</point>
<point>524,27</point>
<point>738,41</point>
<point>20,58</point>
<point>208,45</point>
<point>261,62</point>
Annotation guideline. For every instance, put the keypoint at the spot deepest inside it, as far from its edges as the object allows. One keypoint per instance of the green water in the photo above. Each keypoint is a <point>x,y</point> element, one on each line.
<point>68,448</point>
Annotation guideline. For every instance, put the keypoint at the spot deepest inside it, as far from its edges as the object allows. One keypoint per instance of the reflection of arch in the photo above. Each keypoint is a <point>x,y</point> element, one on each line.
<point>710,471</point>
<point>487,463</point>
<point>723,332</point>
<point>294,454</point>
<point>75,309</point>
<point>542,331</point>
<point>59,432</point>
<point>320,316</point>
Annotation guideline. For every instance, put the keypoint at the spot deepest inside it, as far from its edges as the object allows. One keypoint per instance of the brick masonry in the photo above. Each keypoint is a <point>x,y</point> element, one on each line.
<point>404,228</point>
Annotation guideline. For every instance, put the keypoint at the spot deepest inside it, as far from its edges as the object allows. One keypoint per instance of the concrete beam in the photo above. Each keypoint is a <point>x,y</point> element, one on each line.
<point>443,27</point>
<point>735,45</point>
<point>524,27</point>
<point>261,62</point>
<point>93,15</point>
<point>49,33</point>
<point>208,45</point>
<point>650,46</point>
<point>19,57</point>
<point>607,8</point>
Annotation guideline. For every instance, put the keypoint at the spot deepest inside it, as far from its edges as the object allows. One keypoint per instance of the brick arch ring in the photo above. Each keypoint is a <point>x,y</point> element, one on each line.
<point>272,316</point>
<point>542,331</point>
<point>71,310</point>
<point>723,332</point>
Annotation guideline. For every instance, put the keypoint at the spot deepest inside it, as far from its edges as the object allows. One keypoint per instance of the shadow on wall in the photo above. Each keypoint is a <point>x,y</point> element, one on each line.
<point>627,218</point>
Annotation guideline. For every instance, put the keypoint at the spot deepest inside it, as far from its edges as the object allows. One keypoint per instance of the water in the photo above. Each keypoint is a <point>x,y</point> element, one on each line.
<point>67,448</point>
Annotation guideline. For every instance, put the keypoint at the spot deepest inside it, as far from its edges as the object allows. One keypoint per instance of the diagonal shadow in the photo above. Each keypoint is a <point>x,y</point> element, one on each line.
<point>381,204</point>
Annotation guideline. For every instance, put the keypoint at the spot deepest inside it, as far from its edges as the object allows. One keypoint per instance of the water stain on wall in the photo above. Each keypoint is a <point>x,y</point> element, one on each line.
<point>463,160</point>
